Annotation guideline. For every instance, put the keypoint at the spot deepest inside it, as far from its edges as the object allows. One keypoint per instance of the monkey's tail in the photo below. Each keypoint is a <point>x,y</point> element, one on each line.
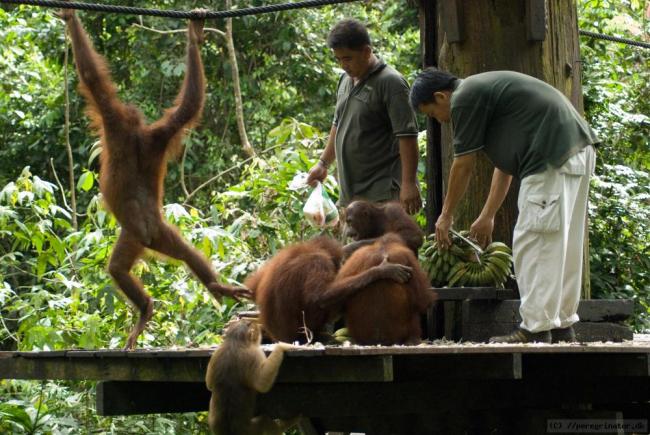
<point>235,406</point>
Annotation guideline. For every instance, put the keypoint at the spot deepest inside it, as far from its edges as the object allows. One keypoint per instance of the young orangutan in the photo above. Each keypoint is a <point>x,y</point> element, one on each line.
<point>237,371</point>
<point>386,312</point>
<point>297,287</point>
<point>134,163</point>
<point>365,222</point>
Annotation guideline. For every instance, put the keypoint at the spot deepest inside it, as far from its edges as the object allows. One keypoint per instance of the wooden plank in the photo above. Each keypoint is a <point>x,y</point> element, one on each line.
<point>146,367</point>
<point>462,293</point>
<point>586,332</point>
<point>117,369</point>
<point>337,369</point>
<point>593,310</point>
<point>425,397</point>
<point>606,310</point>
<point>382,400</point>
<point>130,398</point>
<point>641,344</point>
<point>603,331</point>
<point>590,366</point>
<point>460,366</point>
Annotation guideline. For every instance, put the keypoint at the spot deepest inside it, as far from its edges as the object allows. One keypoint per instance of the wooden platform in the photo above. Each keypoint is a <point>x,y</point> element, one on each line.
<point>411,389</point>
<point>477,313</point>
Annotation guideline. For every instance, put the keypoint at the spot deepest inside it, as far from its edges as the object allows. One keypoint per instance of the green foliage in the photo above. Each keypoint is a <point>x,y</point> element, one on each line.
<point>264,211</point>
<point>54,291</point>
<point>620,237</point>
<point>31,97</point>
<point>616,86</point>
<point>616,81</point>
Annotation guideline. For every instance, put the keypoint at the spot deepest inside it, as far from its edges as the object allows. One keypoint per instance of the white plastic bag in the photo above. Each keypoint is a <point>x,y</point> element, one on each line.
<point>299,181</point>
<point>319,209</point>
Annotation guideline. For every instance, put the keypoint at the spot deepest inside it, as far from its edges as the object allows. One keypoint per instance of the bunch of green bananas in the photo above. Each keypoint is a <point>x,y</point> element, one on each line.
<point>464,266</point>
<point>439,262</point>
<point>489,269</point>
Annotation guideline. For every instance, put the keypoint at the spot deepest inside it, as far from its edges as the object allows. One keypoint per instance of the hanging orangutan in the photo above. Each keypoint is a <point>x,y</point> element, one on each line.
<point>134,164</point>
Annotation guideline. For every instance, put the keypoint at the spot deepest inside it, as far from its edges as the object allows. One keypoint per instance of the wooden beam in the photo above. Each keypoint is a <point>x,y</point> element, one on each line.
<point>424,397</point>
<point>593,310</point>
<point>592,366</point>
<point>184,367</point>
<point>382,400</point>
<point>462,293</point>
<point>435,367</point>
<point>130,398</point>
<point>96,369</point>
<point>336,369</point>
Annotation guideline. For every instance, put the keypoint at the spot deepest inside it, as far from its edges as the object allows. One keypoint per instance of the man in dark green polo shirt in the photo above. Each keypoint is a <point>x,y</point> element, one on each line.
<point>529,130</point>
<point>374,134</point>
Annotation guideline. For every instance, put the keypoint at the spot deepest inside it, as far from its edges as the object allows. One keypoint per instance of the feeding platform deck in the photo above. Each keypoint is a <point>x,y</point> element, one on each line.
<point>354,387</point>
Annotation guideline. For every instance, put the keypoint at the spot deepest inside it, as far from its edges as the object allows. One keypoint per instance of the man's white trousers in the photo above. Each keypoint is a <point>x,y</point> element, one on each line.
<point>548,242</point>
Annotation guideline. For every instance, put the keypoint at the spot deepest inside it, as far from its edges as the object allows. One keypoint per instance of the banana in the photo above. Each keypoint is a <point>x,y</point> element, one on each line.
<point>502,265</point>
<point>429,252</point>
<point>342,332</point>
<point>463,279</point>
<point>476,280</point>
<point>458,272</point>
<point>455,269</point>
<point>502,255</point>
<point>498,246</point>
<point>492,278</point>
<point>439,261</point>
<point>498,272</point>
<point>456,250</point>
<point>442,278</point>
<point>483,278</point>
<point>342,338</point>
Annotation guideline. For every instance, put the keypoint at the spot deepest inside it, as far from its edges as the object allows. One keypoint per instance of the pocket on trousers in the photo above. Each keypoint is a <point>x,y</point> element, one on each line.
<point>540,213</point>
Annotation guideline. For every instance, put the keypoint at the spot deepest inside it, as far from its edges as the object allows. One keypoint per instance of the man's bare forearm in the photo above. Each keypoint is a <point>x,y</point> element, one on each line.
<point>498,191</point>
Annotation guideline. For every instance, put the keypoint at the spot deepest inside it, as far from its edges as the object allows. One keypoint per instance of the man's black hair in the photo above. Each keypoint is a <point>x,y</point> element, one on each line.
<point>350,34</point>
<point>428,82</point>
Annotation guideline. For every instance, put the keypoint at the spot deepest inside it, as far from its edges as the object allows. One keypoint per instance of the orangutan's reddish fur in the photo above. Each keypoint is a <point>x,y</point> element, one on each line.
<point>134,163</point>
<point>386,312</point>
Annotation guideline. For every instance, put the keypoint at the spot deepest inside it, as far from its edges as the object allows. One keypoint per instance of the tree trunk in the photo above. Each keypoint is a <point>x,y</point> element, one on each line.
<point>535,37</point>
<point>239,106</point>
<point>492,35</point>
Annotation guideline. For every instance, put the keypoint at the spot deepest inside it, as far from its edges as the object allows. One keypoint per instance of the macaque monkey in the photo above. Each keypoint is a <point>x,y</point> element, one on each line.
<point>237,371</point>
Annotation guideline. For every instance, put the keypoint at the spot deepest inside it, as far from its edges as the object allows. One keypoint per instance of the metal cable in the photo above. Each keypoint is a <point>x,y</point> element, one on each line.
<point>177,14</point>
<point>614,39</point>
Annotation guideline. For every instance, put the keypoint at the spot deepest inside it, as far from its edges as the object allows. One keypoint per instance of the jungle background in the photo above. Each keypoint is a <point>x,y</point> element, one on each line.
<point>231,203</point>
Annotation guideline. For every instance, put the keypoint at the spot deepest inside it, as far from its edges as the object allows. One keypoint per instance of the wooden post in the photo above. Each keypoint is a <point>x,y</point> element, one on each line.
<point>434,198</point>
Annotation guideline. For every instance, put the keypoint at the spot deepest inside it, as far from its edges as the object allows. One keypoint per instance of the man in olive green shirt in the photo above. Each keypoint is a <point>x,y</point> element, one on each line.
<point>529,130</point>
<point>374,133</point>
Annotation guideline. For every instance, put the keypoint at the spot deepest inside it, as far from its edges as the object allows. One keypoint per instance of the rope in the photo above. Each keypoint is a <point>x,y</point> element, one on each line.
<point>241,13</point>
<point>614,39</point>
<point>177,14</point>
